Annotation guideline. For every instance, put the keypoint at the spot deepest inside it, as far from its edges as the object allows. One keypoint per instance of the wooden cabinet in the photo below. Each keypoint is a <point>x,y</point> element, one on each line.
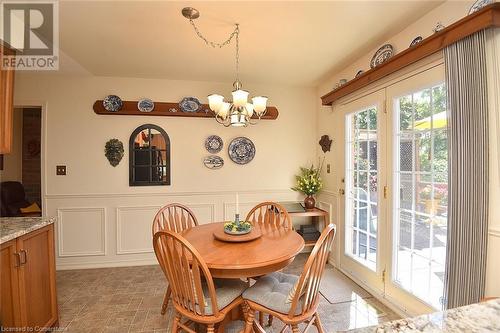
<point>9,280</point>
<point>28,281</point>
<point>6,103</point>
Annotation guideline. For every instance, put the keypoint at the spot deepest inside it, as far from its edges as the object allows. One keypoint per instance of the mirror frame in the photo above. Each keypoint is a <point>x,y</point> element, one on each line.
<point>132,166</point>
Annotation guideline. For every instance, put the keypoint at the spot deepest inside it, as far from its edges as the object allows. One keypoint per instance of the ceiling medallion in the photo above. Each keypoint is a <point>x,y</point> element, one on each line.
<point>238,112</point>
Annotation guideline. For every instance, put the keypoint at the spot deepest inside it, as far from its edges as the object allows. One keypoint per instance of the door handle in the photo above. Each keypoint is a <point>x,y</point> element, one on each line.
<point>18,259</point>
<point>23,257</point>
<point>341,191</point>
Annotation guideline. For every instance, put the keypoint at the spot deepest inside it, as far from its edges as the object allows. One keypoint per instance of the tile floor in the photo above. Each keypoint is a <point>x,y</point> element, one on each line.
<point>128,299</point>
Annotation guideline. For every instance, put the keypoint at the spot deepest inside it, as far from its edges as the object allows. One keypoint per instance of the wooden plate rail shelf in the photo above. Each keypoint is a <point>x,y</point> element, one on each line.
<point>485,18</point>
<point>170,110</point>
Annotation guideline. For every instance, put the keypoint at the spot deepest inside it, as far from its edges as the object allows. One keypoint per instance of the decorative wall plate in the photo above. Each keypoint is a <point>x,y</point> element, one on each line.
<point>112,103</point>
<point>189,104</point>
<point>145,105</point>
<point>359,73</point>
<point>439,26</point>
<point>213,144</point>
<point>241,150</point>
<point>478,5</point>
<point>382,55</point>
<point>416,40</point>
<point>213,162</point>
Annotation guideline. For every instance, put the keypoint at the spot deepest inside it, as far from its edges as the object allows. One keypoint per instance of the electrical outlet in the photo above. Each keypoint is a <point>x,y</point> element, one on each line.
<point>60,170</point>
<point>328,168</point>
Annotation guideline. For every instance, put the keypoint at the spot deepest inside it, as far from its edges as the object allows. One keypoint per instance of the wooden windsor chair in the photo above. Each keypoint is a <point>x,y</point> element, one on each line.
<point>270,213</point>
<point>194,292</point>
<point>177,218</point>
<point>292,308</point>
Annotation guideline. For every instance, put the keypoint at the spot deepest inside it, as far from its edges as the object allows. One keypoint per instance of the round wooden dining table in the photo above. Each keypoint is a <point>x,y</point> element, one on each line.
<point>274,250</point>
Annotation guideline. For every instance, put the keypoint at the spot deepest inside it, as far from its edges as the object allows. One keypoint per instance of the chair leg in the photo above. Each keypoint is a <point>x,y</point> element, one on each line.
<point>210,328</point>
<point>295,328</point>
<point>165,300</point>
<point>270,320</point>
<point>284,329</point>
<point>249,320</point>
<point>317,323</point>
<point>261,318</point>
<point>175,324</point>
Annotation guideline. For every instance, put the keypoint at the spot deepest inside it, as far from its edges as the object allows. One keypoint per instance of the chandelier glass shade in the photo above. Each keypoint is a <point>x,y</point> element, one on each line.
<point>239,111</point>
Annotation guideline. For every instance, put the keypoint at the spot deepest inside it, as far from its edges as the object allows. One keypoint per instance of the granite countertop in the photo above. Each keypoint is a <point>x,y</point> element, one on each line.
<point>481,317</point>
<point>13,227</point>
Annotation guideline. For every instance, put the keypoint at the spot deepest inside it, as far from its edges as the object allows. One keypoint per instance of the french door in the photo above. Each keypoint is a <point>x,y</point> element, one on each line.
<point>396,191</point>
<point>364,121</point>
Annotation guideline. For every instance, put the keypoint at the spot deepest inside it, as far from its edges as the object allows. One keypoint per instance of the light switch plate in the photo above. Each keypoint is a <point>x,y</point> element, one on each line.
<point>60,170</point>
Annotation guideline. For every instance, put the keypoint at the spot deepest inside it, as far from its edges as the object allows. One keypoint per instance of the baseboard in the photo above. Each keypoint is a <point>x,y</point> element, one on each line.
<point>399,311</point>
<point>105,264</point>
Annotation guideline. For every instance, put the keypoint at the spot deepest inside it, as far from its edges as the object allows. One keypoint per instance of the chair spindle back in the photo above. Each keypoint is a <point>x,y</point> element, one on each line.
<point>270,213</point>
<point>185,270</point>
<point>175,217</point>
<point>309,281</point>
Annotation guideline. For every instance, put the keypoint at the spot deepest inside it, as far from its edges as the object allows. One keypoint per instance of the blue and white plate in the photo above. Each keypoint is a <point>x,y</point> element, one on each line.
<point>241,150</point>
<point>478,5</point>
<point>190,104</point>
<point>382,55</point>
<point>213,162</point>
<point>416,40</point>
<point>213,144</point>
<point>145,105</point>
<point>112,103</point>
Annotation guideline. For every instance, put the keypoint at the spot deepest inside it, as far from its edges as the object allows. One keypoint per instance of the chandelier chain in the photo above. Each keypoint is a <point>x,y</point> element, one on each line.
<point>237,52</point>
<point>215,44</point>
<point>235,34</point>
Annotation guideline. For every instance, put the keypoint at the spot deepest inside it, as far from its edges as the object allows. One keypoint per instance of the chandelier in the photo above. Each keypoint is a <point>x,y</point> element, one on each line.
<point>239,111</point>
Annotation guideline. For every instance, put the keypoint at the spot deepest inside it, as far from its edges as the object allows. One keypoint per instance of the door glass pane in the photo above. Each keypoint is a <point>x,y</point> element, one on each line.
<point>362,186</point>
<point>421,208</point>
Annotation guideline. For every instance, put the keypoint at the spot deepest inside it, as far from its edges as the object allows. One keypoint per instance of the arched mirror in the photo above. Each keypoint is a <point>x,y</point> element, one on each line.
<point>149,160</point>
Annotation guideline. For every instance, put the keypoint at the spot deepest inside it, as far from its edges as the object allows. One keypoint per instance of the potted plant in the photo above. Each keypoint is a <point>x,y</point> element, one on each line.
<point>309,182</point>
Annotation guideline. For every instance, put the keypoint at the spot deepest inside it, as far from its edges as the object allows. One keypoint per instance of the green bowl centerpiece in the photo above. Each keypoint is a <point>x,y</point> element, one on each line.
<point>237,227</point>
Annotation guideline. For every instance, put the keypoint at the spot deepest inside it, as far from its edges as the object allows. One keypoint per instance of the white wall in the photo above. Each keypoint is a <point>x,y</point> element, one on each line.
<point>13,162</point>
<point>103,221</point>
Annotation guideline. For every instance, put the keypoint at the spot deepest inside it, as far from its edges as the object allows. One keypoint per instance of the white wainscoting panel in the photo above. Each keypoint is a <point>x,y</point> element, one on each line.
<point>133,229</point>
<point>204,212</point>
<point>116,229</point>
<point>81,231</point>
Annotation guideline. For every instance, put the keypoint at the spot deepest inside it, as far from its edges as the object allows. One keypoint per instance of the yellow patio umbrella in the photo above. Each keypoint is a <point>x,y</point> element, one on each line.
<point>439,120</point>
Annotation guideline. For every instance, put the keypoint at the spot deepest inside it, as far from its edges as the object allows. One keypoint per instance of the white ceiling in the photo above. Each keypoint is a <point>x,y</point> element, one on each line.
<point>285,42</point>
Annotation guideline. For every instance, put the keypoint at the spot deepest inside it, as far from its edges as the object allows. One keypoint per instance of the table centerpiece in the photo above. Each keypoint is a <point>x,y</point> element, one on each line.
<point>237,227</point>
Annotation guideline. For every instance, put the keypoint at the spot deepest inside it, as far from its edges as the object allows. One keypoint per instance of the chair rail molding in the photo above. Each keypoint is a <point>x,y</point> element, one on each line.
<point>165,194</point>
<point>494,232</point>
